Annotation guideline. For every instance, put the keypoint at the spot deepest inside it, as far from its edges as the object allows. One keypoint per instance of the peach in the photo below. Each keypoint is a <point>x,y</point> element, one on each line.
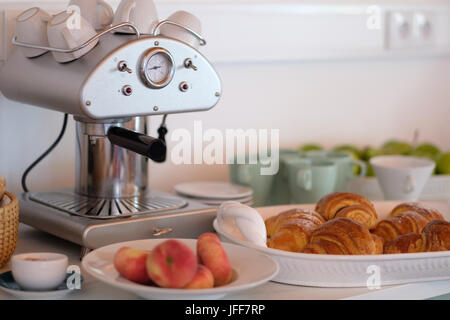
<point>212,255</point>
<point>203,279</point>
<point>131,264</point>
<point>172,264</point>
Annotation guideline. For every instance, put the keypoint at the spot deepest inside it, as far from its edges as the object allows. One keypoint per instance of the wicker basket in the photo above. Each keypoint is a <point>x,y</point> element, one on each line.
<point>9,228</point>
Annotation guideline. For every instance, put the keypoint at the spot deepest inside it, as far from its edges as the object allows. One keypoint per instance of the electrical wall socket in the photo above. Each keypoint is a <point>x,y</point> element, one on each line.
<point>412,29</point>
<point>400,30</point>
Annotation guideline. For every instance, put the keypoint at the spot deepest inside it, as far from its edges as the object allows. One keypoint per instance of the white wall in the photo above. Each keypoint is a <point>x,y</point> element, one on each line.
<point>359,101</point>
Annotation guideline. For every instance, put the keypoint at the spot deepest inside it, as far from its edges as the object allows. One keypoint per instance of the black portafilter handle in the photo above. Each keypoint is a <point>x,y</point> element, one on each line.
<point>147,146</point>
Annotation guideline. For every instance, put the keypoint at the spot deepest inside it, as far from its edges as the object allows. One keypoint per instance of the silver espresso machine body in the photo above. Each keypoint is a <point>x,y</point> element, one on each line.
<point>109,92</point>
<point>94,86</point>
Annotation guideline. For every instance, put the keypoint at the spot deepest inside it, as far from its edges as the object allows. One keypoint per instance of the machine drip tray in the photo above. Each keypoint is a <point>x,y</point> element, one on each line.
<point>106,208</point>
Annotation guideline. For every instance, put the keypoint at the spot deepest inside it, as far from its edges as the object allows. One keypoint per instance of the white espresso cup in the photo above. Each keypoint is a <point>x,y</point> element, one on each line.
<point>67,30</point>
<point>402,177</point>
<point>39,271</point>
<point>141,13</point>
<point>186,19</point>
<point>31,27</point>
<point>97,12</point>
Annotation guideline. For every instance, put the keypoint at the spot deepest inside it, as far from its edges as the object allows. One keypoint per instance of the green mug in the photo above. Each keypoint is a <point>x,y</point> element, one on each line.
<point>309,180</point>
<point>316,154</point>
<point>280,187</point>
<point>345,166</point>
<point>249,174</point>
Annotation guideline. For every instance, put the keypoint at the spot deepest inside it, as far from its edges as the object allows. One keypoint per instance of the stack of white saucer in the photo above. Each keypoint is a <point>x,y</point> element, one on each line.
<point>215,193</point>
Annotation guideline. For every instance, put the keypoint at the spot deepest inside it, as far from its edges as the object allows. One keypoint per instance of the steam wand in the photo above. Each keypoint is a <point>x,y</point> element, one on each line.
<point>153,148</point>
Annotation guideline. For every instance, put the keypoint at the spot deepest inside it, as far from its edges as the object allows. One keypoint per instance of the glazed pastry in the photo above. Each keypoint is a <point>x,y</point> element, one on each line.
<point>273,223</point>
<point>379,243</point>
<point>293,235</point>
<point>324,247</point>
<point>434,237</point>
<point>407,243</point>
<point>401,224</point>
<point>342,236</point>
<point>330,205</point>
<point>360,213</point>
<point>427,213</point>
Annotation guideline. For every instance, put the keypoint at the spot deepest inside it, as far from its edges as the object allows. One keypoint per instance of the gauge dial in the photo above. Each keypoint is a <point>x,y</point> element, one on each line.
<point>157,68</point>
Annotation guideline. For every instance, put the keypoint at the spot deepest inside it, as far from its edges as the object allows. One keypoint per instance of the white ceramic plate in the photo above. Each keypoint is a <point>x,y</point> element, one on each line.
<point>213,190</point>
<point>250,269</point>
<point>248,202</point>
<point>352,271</point>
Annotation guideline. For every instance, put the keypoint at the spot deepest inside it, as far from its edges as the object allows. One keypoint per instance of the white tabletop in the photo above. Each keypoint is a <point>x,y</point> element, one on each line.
<point>32,240</point>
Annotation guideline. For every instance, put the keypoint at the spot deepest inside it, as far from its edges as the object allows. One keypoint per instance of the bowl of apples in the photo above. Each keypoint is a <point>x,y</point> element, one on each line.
<point>192,269</point>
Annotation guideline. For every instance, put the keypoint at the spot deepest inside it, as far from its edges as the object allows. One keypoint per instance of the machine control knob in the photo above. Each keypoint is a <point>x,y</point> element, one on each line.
<point>189,64</point>
<point>123,67</point>
<point>184,86</point>
<point>127,90</point>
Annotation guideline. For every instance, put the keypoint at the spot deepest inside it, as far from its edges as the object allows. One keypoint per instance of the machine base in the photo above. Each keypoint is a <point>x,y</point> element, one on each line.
<point>188,222</point>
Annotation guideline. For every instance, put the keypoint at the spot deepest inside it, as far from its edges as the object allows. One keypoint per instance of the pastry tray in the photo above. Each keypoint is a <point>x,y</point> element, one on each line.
<point>370,271</point>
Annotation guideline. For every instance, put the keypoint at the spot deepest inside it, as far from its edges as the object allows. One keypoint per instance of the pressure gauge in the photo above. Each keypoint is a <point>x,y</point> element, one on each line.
<point>157,68</point>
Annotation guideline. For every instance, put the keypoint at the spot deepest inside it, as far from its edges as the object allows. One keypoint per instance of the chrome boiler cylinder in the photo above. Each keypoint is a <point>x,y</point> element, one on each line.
<point>104,170</point>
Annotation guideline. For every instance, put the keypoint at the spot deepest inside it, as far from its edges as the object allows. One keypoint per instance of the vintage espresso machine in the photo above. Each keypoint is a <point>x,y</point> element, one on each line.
<point>110,91</point>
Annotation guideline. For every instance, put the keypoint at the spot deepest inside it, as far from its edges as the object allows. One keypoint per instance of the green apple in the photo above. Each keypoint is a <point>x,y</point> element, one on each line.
<point>310,147</point>
<point>427,150</point>
<point>443,163</point>
<point>353,151</point>
<point>370,172</point>
<point>396,147</point>
<point>349,149</point>
<point>370,152</point>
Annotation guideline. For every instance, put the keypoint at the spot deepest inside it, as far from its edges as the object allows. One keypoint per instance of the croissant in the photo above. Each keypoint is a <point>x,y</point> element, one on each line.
<point>343,236</point>
<point>434,237</point>
<point>293,235</point>
<point>427,213</point>
<point>332,205</point>
<point>379,244</point>
<point>410,242</point>
<point>273,223</point>
<point>360,213</point>
<point>400,224</point>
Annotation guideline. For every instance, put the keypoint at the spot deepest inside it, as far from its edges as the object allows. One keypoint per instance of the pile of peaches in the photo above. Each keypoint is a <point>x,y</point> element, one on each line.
<point>172,264</point>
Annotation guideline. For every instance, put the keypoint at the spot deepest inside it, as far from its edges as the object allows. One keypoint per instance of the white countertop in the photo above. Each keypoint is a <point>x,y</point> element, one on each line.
<point>32,240</point>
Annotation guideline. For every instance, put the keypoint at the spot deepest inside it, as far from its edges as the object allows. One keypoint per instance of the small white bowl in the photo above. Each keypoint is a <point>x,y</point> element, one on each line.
<point>39,271</point>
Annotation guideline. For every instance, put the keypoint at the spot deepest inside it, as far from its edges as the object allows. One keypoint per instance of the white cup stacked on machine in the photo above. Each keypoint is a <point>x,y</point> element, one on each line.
<point>31,27</point>
<point>186,19</point>
<point>66,34</point>
<point>66,30</point>
<point>79,23</point>
<point>141,13</point>
<point>97,12</point>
